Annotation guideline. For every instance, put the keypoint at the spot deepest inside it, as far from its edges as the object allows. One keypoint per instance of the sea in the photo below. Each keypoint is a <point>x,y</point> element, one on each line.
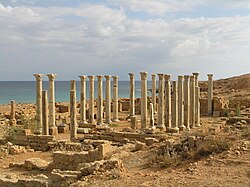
<point>25,91</point>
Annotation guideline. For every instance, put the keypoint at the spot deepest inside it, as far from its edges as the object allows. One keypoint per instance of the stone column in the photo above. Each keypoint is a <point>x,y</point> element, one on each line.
<point>132,94</point>
<point>197,101</point>
<point>180,103</point>
<point>192,102</point>
<point>210,94</point>
<point>73,124</point>
<point>154,92</point>
<point>133,122</point>
<point>151,112</point>
<point>45,113</point>
<point>108,102</point>
<point>175,128</point>
<point>186,101</point>
<point>99,101</point>
<point>13,112</point>
<point>38,128</point>
<point>73,85</point>
<point>197,107</point>
<point>83,99</point>
<point>91,99</point>
<point>115,99</point>
<point>52,120</point>
<point>144,110</point>
<point>168,112</point>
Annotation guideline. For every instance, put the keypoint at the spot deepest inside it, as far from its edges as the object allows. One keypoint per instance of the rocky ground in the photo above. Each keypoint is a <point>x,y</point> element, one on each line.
<point>221,159</point>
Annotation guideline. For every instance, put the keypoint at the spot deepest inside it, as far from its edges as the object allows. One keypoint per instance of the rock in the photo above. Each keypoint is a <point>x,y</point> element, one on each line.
<point>35,164</point>
<point>139,146</point>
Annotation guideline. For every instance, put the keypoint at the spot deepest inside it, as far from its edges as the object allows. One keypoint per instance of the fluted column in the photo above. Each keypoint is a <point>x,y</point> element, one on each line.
<point>168,116</point>
<point>91,99</point>
<point>52,119</point>
<point>73,124</point>
<point>83,99</point>
<point>45,113</point>
<point>197,111</point>
<point>160,123</point>
<point>192,102</point>
<point>197,100</point>
<point>186,101</point>
<point>144,111</point>
<point>175,108</point>
<point>13,112</point>
<point>132,94</point>
<point>99,101</point>
<point>38,128</point>
<point>115,99</point>
<point>210,94</point>
<point>108,102</point>
<point>154,91</point>
<point>180,103</point>
<point>151,113</point>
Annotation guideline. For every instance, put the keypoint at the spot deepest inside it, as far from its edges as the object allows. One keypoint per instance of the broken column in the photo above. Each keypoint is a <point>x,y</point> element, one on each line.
<point>38,128</point>
<point>91,99</point>
<point>197,107</point>
<point>151,112</point>
<point>73,124</point>
<point>186,101</point>
<point>107,102</point>
<point>144,99</point>
<point>180,103</point>
<point>45,123</point>
<point>52,119</point>
<point>115,99</point>
<point>154,92</point>
<point>210,94</point>
<point>175,128</point>
<point>73,85</point>
<point>83,99</point>
<point>160,123</point>
<point>192,102</point>
<point>167,101</point>
<point>132,94</point>
<point>197,101</point>
<point>99,101</point>
<point>13,112</point>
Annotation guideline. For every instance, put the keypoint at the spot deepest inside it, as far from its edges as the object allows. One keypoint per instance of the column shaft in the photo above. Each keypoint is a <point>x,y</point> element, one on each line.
<point>99,101</point>
<point>167,101</point>
<point>73,123</point>
<point>175,108</point>
<point>45,113</point>
<point>192,102</point>
<point>73,85</point>
<point>186,101</point>
<point>144,99</point>
<point>180,103</point>
<point>152,120</point>
<point>83,99</point>
<point>160,123</point>
<point>154,91</point>
<point>210,94</point>
<point>108,102</point>
<point>91,99</point>
<point>132,94</point>
<point>13,112</point>
<point>197,107</point>
<point>115,99</point>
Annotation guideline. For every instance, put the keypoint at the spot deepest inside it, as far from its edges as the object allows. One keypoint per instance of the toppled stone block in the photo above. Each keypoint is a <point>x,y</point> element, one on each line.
<point>139,146</point>
<point>63,178</point>
<point>35,164</point>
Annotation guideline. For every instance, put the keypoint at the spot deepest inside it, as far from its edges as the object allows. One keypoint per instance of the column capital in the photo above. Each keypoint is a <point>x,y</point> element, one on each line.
<point>160,75</point>
<point>99,77</point>
<point>180,77</point>
<point>115,77</point>
<point>144,75</point>
<point>131,75</point>
<point>191,77</point>
<point>167,77</point>
<point>196,74</point>
<point>38,76</point>
<point>51,77</point>
<point>153,75</point>
<point>186,77</point>
<point>83,77</point>
<point>210,76</point>
<point>91,77</point>
<point>107,76</point>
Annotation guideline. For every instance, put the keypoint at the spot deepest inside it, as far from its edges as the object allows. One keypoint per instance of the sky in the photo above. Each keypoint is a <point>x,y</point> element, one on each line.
<point>115,37</point>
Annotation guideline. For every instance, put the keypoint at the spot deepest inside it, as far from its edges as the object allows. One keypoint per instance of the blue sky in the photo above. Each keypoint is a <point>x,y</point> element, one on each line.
<point>81,37</point>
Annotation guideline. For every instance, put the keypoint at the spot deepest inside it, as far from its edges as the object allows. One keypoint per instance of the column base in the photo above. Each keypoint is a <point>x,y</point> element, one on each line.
<point>197,125</point>
<point>38,131</point>
<point>173,130</point>
<point>53,131</point>
<point>182,128</point>
<point>161,127</point>
<point>187,128</point>
<point>108,121</point>
<point>115,120</point>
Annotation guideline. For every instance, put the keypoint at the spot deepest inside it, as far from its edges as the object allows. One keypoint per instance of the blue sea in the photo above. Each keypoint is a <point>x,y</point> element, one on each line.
<point>25,91</point>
